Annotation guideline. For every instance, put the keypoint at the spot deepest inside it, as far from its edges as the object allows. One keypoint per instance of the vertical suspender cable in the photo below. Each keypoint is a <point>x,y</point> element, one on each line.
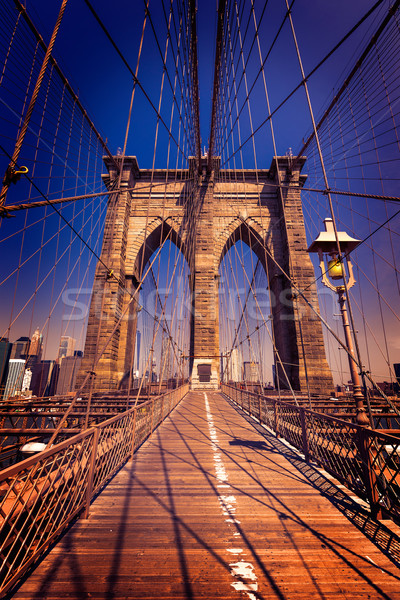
<point>340,256</point>
<point>24,128</point>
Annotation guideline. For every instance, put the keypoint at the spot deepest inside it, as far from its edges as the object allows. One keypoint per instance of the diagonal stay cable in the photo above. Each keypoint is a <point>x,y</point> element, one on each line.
<point>135,79</point>
<point>5,209</point>
<point>48,202</point>
<point>390,13</point>
<point>301,83</point>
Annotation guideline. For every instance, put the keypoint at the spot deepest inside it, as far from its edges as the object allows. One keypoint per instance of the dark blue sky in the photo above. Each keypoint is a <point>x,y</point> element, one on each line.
<point>104,87</point>
<point>104,83</point>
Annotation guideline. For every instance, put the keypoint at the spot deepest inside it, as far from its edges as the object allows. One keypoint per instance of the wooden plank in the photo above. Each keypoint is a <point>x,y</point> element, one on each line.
<point>166,528</point>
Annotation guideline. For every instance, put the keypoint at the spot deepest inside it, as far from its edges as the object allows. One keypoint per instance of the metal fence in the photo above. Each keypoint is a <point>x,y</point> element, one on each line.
<point>364,460</point>
<point>41,495</point>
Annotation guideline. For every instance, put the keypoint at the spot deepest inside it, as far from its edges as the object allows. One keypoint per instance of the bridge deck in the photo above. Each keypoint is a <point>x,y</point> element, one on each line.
<point>210,508</point>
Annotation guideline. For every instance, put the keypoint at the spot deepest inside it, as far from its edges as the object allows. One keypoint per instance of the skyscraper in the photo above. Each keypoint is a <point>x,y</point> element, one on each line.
<point>230,370</point>
<point>250,372</point>
<point>224,368</point>
<point>35,349</point>
<point>20,348</point>
<point>67,346</point>
<point>16,369</point>
<point>68,371</point>
<point>52,385</point>
<point>5,352</point>
<point>41,374</point>
<point>166,362</point>
<point>26,382</point>
<point>396,367</point>
<point>137,350</point>
<point>234,365</point>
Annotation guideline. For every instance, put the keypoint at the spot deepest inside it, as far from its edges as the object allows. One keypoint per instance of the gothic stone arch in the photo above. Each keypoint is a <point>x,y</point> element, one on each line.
<point>229,204</point>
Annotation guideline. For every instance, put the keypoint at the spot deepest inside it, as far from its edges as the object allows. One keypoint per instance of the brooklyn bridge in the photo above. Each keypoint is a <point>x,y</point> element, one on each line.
<point>199,345</point>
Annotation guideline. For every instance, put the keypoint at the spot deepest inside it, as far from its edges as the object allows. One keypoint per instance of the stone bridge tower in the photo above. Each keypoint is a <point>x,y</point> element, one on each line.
<point>209,216</point>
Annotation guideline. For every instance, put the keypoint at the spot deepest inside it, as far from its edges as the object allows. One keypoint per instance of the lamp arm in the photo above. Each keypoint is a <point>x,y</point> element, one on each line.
<point>351,280</point>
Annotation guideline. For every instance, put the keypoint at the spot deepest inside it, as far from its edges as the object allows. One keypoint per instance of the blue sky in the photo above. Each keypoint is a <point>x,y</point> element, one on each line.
<point>104,87</point>
<point>104,84</point>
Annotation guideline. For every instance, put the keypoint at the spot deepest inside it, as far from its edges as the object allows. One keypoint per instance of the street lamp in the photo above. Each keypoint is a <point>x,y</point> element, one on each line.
<point>333,267</point>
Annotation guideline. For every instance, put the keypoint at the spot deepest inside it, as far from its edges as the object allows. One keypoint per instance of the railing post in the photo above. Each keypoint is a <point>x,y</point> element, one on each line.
<point>276,418</point>
<point>152,416</point>
<point>304,437</point>
<point>91,472</point>
<point>259,407</point>
<point>370,479</point>
<point>133,431</point>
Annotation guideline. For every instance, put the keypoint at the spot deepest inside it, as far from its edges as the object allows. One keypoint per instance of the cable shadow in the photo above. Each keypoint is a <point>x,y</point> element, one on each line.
<point>386,540</point>
<point>289,515</point>
<point>312,477</point>
<point>66,556</point>
<point>336,547</point>
<point>271,450</point>
<point>113,576</point>
<point>176,525</point>
<point>281,449</point>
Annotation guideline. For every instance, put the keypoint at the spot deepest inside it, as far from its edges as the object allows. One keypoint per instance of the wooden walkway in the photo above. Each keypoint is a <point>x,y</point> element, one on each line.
<point>212,509</point>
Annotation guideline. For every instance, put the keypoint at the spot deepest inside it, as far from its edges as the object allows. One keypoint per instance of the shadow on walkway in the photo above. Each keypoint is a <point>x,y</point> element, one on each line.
<point>386,540</point>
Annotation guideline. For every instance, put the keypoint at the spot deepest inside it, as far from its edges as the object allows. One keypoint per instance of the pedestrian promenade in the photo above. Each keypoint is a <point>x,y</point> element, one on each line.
<point>212,508</point>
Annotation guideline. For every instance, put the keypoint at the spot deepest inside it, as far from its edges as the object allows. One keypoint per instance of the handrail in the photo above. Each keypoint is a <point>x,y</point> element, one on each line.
<point>366,461</point>
<point>42,494</point>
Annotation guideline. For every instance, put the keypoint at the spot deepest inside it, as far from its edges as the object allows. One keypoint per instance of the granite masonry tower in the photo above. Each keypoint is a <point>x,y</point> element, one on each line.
<point>205,211</point>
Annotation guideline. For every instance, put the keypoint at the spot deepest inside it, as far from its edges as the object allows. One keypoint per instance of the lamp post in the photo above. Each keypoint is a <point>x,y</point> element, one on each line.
<point>326,245</point>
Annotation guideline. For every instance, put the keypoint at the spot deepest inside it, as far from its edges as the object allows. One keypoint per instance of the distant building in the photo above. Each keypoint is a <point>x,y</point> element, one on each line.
<point>234,365</point>
<point>166,358</point>
<point>396,368</point>
<point>15,377</point>
<point>20,348</point>
<point>41,374</point>
<point>230,370</point>
<point>388,387</point>
<point>137,350</point>
<point>67,346</point>
<point>69,368</point>
<point>35,349</point>
<point>250,372</point>
<point>26,382</point>
<point>154,376</point>
<point>224,365</point>
<point>52,385</point>
<point>5,353</point>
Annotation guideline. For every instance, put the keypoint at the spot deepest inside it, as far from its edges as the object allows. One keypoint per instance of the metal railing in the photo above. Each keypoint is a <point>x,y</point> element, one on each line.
<point>41,495</point>
<point>364,460</point>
